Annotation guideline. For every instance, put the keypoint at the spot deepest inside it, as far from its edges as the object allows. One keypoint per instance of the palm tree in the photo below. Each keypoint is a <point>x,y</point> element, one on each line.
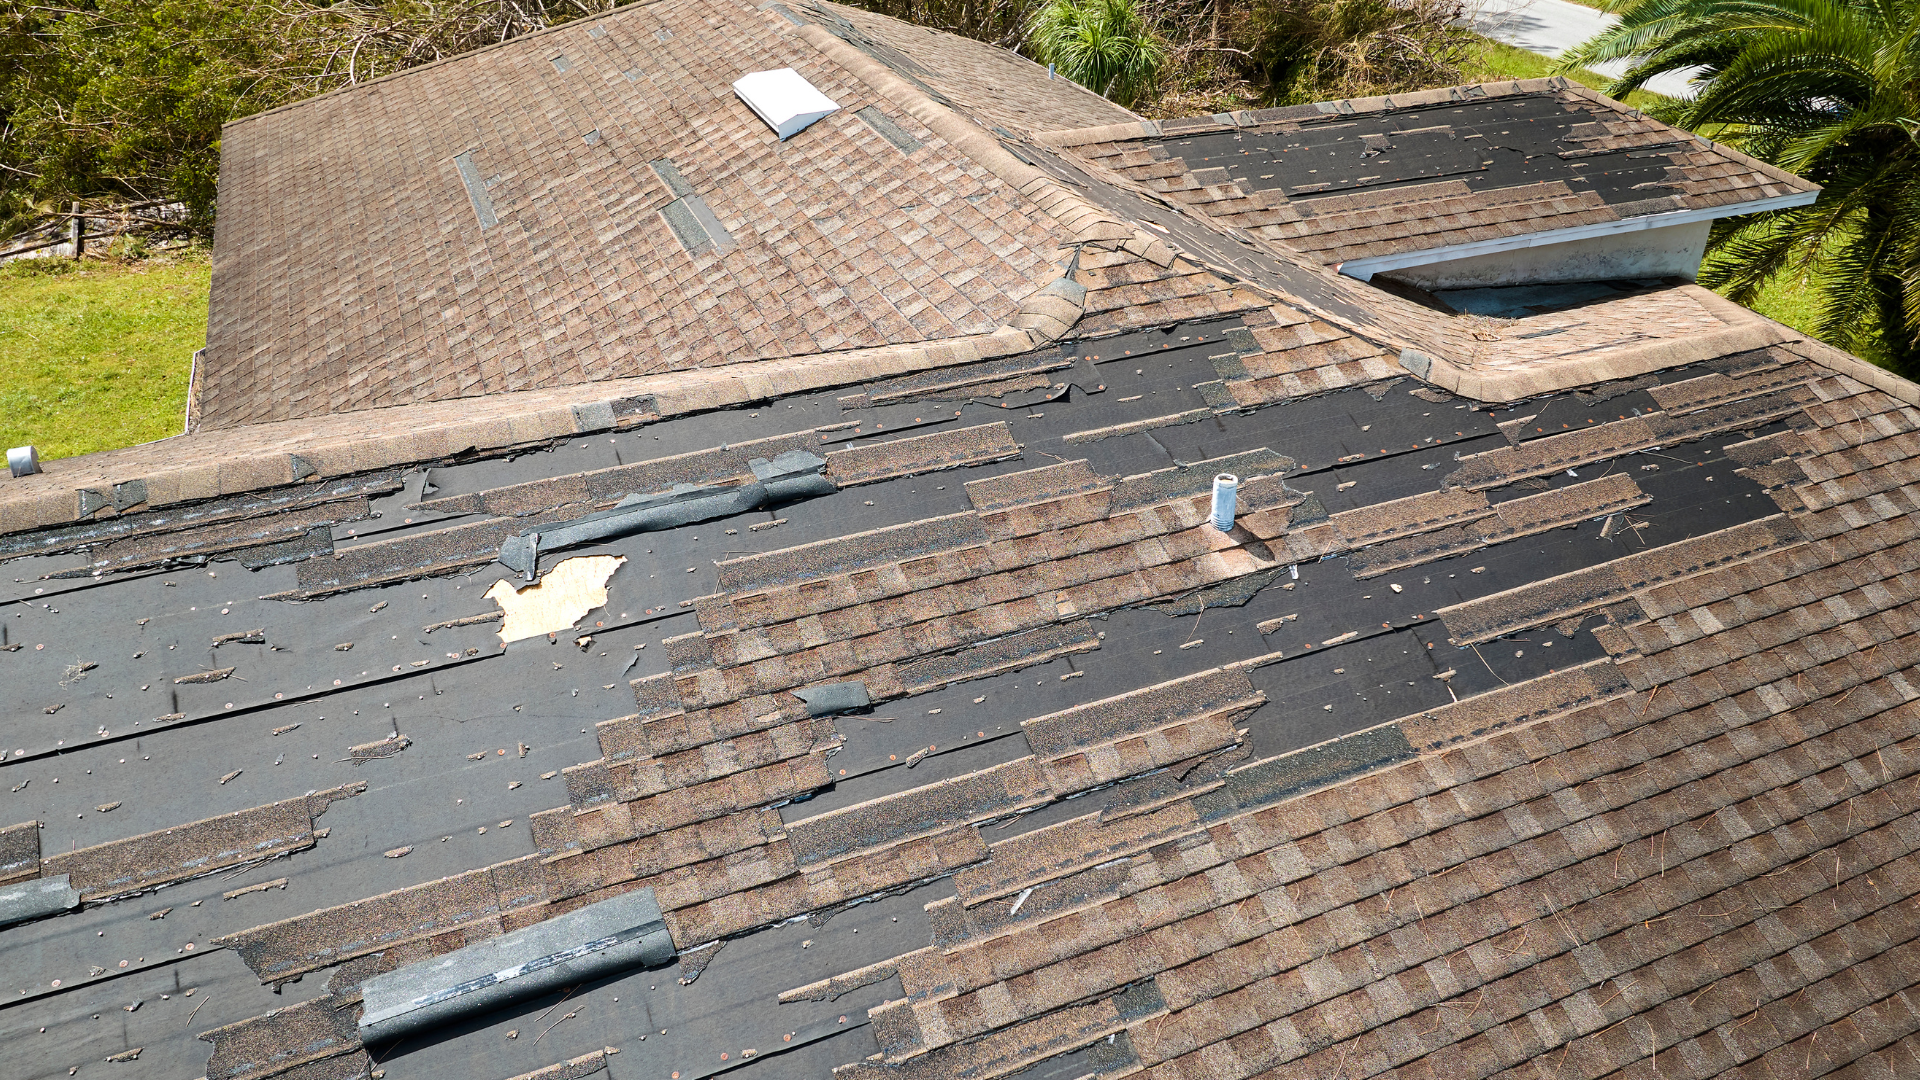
<point>1828,89</point>
<point>1104,45</point>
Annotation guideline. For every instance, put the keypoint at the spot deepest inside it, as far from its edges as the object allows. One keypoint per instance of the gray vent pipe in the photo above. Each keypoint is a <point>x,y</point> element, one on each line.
<point>1225,487</point>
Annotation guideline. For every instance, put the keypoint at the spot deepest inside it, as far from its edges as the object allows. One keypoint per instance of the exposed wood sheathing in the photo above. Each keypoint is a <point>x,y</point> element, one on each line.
<point>561,598</point>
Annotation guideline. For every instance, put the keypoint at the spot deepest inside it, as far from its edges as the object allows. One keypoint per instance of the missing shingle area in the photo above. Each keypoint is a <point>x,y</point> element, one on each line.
<point>476,189</point>
<point>888,130</point>
<point>692,221</point>
<point>694,225</point>
<point>670,175</point>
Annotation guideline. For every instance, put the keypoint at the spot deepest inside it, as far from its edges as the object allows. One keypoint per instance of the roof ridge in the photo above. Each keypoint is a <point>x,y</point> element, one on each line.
<point>1086,221</point>
<point>1745,330</point>
<point>624,8</point>
<point>283,455</point>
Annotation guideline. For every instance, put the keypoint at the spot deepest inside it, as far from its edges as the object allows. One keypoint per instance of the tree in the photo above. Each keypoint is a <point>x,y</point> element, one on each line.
<point>1104,45</point>
<point>119,100</point>
<point>1827,89</point>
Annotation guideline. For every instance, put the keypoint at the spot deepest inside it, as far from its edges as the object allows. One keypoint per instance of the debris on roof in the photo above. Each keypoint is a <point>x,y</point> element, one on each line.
<point>558,601</point>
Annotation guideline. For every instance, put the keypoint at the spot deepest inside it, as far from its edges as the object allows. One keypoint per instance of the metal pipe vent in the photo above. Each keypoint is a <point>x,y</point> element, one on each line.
<point>1226,488</point>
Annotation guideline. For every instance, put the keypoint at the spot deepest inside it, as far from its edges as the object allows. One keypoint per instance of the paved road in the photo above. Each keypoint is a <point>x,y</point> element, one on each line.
<point>1551,27</point>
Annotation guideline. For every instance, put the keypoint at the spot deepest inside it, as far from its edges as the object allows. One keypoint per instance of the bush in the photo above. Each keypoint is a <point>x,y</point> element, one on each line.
<point>1318,50</point>
<point>1104,45</point>
<point>122,100</point>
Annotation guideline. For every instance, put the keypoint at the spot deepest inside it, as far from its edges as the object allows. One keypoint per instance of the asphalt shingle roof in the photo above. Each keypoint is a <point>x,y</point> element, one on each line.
<point>1350,180</point>
<point>1550,709</point>
<point>353,270</point>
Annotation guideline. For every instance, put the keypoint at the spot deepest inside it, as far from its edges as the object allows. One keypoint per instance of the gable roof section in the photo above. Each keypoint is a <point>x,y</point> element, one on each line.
<point>1375,183</point>
<point>355,266</point>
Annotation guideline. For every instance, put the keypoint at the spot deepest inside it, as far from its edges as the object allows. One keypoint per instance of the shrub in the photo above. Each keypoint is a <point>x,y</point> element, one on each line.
<point>1104,45</point>
<point>1317,50</point>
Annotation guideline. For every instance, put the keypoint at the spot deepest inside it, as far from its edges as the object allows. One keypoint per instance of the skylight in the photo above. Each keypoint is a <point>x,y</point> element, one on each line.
<point>784,99</point>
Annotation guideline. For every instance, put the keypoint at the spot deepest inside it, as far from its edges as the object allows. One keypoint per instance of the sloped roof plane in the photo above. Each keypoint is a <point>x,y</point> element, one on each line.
<point>1379,184</point>
<point>354,268</point>
<point>1548,710</point>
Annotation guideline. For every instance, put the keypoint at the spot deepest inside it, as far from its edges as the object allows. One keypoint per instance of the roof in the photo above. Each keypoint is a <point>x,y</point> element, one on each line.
<point>356,267</point>
<point>1372,184</point>
<point>995,87</point>
<point>1549,708</point>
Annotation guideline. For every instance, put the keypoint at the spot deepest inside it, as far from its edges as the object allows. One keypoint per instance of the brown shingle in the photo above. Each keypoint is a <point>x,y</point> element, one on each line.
<point>298,157</point>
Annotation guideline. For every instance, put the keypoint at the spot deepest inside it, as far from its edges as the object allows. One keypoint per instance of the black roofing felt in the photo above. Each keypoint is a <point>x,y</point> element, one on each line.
<point>549,695</point>
<point>1225,250</point>
<point>1488,145</point>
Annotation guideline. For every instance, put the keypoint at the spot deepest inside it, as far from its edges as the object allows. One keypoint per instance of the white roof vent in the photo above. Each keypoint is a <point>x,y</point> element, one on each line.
<point>785,100</point>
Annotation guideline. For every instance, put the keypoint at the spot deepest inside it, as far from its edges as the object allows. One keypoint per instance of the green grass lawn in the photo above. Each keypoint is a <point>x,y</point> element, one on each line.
<point>96,355</point>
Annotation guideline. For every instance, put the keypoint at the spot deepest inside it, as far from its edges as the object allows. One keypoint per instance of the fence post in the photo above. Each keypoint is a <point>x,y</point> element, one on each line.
<point>79,232</point>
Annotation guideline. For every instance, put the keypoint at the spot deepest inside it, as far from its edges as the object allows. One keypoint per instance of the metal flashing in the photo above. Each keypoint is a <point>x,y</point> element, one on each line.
<point>600,939</point>
<point>1364,269</point>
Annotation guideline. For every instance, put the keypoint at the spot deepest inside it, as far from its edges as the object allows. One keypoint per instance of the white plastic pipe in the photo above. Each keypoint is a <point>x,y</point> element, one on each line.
<point>1225,488</point>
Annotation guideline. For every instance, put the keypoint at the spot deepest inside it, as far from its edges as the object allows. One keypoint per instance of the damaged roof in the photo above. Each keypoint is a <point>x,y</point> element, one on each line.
<point>896,713</point>
<point>1380,183</point>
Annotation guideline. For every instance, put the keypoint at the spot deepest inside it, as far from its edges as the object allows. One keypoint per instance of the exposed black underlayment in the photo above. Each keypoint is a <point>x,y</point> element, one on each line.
<point>210,512</point>
<point>1184,341</point>
<point>1328,602</point>
<point>460,711</point>
<point>1396,469</point>
<point>1210,243</point>
<point>1476,143</point>
<point>894,497</point>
